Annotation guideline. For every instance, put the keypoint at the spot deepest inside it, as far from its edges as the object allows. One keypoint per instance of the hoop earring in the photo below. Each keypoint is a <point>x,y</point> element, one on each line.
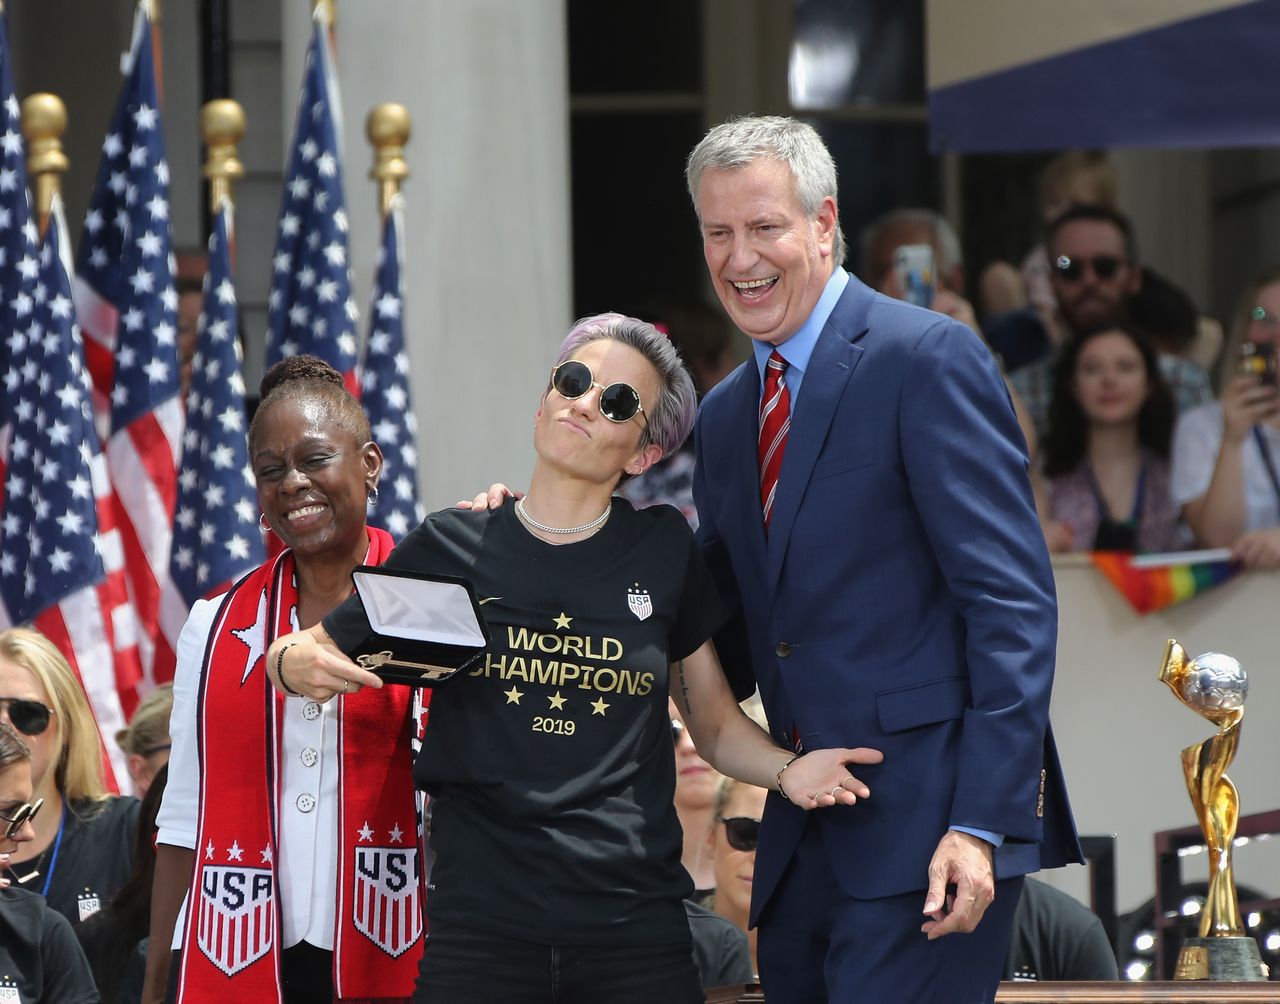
<point>262,522</point>
<point>371,494</point>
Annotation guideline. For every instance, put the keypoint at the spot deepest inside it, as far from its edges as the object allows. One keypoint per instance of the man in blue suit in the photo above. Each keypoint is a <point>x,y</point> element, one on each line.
<point>893,591</point>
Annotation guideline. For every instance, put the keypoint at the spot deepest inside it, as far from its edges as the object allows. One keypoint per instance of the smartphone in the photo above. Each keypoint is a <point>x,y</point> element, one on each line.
<point>1259,359</point>
<point>913,264</point>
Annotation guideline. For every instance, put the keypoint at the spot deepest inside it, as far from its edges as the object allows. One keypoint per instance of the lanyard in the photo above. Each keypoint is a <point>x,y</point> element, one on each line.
<point>57,844</point>
<point>1104,514</point>
<point>1267,460</point>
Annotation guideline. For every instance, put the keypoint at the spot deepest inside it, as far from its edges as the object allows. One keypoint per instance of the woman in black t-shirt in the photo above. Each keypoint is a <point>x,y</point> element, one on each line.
<point>557,849</point>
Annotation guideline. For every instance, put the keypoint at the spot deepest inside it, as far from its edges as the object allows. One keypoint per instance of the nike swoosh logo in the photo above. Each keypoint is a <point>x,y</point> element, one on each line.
<point>487,599</point>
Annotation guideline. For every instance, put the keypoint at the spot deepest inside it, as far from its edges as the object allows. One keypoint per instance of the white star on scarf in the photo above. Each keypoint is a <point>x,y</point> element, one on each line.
<point>254,637</point>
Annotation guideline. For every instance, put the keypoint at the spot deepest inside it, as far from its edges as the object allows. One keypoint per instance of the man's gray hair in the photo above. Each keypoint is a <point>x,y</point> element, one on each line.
<point>949,253</point>
<point>738,142</point>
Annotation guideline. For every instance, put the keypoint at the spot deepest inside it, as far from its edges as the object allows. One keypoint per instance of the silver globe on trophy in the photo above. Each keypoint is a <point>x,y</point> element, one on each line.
<point>1214,686</point>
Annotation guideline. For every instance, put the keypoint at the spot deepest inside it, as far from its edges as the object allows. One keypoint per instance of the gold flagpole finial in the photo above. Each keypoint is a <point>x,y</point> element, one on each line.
<point>221,126</point>
<point>388,129</point>
<point>328,13</point>
<point>44,120</point>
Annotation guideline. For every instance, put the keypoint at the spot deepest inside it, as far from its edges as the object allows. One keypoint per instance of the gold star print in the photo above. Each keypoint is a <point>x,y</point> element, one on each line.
<point>557,701</point>
<point>562,622</point>
<point>513,696</point>
<point>598,707</point>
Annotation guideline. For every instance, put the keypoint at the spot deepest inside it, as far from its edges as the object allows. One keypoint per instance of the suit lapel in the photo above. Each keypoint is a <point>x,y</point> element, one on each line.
<point>738,438</point>
<point>834,359</point>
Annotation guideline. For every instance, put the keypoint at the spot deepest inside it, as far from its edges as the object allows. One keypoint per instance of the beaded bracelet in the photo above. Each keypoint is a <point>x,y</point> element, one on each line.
<point>280,669</point>
<point>782,791</point>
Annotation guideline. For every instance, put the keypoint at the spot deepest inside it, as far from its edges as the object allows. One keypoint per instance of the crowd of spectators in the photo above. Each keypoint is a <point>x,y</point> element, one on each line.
<point>1112,371</point>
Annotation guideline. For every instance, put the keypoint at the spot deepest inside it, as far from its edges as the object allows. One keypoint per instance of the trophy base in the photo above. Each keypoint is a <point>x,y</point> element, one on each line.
<point>1225,959</point>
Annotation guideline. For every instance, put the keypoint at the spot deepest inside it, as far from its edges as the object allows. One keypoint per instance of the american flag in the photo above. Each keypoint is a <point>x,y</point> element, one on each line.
<point>215,535</point>
<point>127,304</point>
<point>310,309</point>
<point>384,379</point>
<point>18,238</point>
<point>56,489</point>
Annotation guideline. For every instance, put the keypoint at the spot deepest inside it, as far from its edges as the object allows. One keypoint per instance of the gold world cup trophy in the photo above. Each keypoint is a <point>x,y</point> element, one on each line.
<point>1214,686</point>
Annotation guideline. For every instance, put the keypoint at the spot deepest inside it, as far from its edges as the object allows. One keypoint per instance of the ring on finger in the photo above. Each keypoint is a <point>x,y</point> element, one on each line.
<point>836,790</point>
<point>345,685</point>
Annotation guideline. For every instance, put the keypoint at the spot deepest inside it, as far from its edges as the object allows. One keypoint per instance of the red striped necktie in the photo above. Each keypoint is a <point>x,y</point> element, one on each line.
<point>775,420</point>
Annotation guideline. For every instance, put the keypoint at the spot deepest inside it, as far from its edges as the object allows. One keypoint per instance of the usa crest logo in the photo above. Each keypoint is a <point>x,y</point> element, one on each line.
<point>237,919</point>
<point>387,908</point>
<point>88,903</point>
<point>639,601</point>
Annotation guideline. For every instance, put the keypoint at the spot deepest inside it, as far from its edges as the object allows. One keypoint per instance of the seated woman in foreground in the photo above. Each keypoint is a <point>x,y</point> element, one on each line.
<point>557,849</point>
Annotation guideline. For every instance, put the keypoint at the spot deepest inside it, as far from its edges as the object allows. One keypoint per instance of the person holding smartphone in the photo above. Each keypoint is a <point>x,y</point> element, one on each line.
<point>1226,455</point>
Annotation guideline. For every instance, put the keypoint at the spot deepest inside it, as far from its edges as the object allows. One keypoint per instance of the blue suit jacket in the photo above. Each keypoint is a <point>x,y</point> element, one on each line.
<point>903,598</point>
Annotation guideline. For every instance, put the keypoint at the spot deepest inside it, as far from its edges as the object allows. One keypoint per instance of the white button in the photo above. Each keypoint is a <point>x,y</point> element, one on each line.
<point>306,802</point>
<point>311,711</point>
<point>309,757</point>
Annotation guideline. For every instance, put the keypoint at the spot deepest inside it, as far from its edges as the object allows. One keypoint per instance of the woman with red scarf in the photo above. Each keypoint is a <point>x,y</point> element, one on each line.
<point>269,794</point>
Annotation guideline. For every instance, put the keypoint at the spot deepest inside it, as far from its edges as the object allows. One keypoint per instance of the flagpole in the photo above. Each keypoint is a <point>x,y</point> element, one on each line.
<point>328,15</point>
<point>221,126</point>
<point>152,10</point>
<point>388,128</point>
<point>44,120</point>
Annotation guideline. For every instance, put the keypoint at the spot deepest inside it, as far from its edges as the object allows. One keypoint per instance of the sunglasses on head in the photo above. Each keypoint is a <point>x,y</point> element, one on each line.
<point>1104,266</point>
<point>619,402</point>
<point>28,717</point>
<point>23,814</point>
<point>742,832</point>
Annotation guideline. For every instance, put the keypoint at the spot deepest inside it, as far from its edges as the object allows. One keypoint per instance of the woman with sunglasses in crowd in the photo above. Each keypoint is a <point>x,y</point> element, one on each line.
<point>82,849</point>
<point>1226,455</point>
<point>40,959</point>
<point>732,839</point>
<point>1106,456</point>
<point>270,795</point>
<point>557,849</point>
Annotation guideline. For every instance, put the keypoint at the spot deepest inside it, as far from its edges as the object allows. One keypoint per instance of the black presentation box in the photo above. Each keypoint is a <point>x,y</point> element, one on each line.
<point>426,628</point>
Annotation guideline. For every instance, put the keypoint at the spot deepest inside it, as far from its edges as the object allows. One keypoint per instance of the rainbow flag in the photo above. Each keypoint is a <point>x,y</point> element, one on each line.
<point>1154,581</point>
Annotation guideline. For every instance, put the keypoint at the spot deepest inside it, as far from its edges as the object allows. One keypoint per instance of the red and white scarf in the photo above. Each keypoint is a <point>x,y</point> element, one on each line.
<point>232,940</point>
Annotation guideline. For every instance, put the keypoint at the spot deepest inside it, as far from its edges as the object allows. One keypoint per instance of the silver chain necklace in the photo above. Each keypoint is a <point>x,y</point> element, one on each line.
<point>595,524</point>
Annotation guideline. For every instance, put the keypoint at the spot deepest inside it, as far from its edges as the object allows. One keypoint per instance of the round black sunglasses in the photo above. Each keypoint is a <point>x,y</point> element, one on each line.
<point>619,402</point>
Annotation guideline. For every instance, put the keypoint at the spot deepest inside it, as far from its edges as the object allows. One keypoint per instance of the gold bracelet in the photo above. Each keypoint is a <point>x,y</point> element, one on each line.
<point>782,791</point>
<point>280,669</point>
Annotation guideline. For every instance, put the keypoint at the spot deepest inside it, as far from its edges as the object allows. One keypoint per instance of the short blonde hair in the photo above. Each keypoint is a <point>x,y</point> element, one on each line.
<point>149,726</point>
<point>79,773</point>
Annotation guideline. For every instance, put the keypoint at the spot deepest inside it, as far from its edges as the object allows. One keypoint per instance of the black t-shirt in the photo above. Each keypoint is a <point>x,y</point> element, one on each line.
<point>551,762</point>
<point>95,857</point>
<point>40,959</point>
<point>1055,937</point>
<point>720,948</point>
